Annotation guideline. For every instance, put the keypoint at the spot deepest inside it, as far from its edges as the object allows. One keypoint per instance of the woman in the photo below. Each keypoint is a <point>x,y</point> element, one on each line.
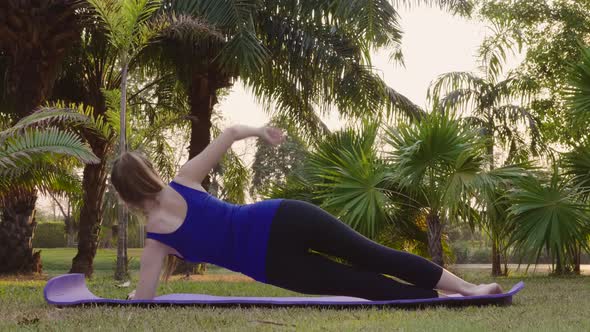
<point>270,241</point>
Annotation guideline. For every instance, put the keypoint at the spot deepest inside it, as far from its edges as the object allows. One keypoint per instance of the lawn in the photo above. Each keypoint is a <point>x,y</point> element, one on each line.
<point>546,303</point>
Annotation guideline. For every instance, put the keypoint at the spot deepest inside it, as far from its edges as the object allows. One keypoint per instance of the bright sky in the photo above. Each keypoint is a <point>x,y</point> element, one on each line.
<point>434,43</point>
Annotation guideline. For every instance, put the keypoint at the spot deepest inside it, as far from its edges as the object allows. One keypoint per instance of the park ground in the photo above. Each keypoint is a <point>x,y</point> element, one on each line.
<point>547,303</point>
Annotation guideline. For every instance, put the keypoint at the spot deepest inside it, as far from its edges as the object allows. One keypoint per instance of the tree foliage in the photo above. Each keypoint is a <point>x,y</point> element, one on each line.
<point>552,31</point>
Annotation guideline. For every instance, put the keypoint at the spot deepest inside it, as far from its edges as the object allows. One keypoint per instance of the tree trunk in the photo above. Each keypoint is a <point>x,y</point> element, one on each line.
<point>577,256</point>
<point>435,229</point>
<point>202,99</point>
<point>122,262</point>
<point>558,265</point>
<point>69,221</point>
<point>17,228</point>
<point>122,272</point>
<point>94,186</point>
<point>496,260</point>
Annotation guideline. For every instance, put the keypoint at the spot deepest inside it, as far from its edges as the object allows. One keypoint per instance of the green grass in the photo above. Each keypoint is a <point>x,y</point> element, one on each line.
<point>546,304</point>
<point>59,260</point>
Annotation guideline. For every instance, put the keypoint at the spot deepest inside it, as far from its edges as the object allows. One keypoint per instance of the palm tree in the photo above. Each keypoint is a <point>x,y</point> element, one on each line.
<point>549,214</point>
<point>437,160</point>
<point>488,103</point>
<point>303,56</point>
<point>576,162</point>
<point>90,76</point>
<point>89,69</point>
<point>129,29</point>
<point>442,163</point>
<point>428,173</point>
<point>34,37</point>
<point>32,155</point>
<point>346,174</point>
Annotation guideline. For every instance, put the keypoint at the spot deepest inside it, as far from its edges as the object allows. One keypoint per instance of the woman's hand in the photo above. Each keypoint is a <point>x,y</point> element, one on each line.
<point>272,135</point>
<point>197,168</point>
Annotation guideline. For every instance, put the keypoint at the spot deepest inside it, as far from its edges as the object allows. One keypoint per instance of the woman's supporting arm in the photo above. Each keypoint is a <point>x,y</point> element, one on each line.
<point>152,260</point>
<point>196,169</point>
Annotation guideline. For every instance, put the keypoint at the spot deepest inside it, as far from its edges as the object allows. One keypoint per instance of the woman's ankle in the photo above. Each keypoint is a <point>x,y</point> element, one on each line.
<point>467,289</point>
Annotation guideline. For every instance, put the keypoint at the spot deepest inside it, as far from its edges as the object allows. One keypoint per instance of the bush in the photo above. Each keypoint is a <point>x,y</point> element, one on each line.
<point>50,235</point>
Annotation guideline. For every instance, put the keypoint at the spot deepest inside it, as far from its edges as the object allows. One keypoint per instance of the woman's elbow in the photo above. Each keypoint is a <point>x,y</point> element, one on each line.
<point>232,132</point>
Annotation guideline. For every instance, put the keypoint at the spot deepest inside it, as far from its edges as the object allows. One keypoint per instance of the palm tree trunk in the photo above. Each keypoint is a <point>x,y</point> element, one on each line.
<point>17,227</point>
<point>122,262</point>
<point>94,186</point>
<point>69,221</point>
<point>202,100</point>
<point>435,229</point>
<point>35,51</point>
<point>576,251</point>
<point>558,264</point>
<point>29,80</point>
<point>94,183</point>
<point>496,259</point>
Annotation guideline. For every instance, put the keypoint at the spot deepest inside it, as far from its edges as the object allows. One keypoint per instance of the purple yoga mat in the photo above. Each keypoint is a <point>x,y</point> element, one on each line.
<point>71,290</point>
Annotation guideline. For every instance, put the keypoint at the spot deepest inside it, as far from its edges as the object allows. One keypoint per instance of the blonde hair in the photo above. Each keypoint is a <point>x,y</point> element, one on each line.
<point>136,181</point>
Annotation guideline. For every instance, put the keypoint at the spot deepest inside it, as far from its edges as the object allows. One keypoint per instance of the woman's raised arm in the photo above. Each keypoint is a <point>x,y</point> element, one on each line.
<point>197,168</point>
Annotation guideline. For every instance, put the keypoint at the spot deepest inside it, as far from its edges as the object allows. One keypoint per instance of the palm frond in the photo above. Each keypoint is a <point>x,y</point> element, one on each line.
<point>350,178</point>
<point>459,100</point>
<point>22,148</point>
<point>459,7</point>
<point>437,157</point>
<point>127,22</point>
<point>243,52</point>
<point>404,106</point>
<point>576,165</point>
<point>548,215</point>
<point>577,92</point>
<point>516,87</point>
<point>495,49</point>
<point>45,116</point>
<point>457,80</point>
<point>46,175</point>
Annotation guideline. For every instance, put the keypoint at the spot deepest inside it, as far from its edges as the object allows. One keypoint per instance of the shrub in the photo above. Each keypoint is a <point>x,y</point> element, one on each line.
<point>50,235</point>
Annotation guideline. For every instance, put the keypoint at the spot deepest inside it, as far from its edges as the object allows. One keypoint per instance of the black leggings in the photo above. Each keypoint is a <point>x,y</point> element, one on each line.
<point>300,226</point>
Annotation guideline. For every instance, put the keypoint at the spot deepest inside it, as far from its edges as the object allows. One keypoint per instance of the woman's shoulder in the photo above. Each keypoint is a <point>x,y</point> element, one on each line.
<point>188,183</point>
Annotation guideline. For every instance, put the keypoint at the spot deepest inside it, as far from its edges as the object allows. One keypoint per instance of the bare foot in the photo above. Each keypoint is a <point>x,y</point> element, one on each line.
<point>484,289</point>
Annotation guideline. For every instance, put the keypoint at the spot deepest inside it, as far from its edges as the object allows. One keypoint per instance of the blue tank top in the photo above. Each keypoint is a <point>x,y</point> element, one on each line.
<point>217,232</point>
